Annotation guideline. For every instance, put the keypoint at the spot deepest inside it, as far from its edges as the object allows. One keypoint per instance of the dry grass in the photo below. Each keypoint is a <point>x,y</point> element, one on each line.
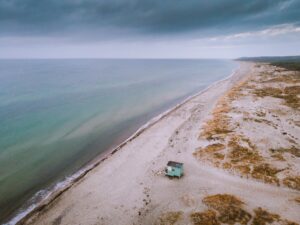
<point>210,150</point>
<point>208,217</point>
<point>266,173</point>
<point>292,90</point>
<point>227,165</point>
<point>292,101</point>
<point>219,156</point>
<point>242,154</point>
<point>292,150</point>
<point>288,94</point>
<point>259,121</point>
<point>292,182</point>
<point>229,208</point>
<point>243,169</point>
<point>263,217</point>
<point>278,157</point>
<point>235,92</point>
<point>218,126</point>
<point>288,79</point>
<point>234,151</point>
<point>268,91</point>
<point>219,201</point>
<point>213,148</point>
<point>297,199</point>
<point>169,218</point>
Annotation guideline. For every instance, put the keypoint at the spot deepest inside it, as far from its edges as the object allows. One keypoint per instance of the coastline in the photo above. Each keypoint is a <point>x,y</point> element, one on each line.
<point>129,186</point>
<point>64,185</point>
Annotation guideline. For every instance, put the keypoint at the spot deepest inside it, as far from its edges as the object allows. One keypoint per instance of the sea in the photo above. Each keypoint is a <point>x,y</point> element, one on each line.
<point>59,115</point>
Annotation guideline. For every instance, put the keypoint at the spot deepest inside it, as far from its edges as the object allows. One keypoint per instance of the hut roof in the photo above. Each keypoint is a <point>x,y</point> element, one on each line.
<point>175,164</point>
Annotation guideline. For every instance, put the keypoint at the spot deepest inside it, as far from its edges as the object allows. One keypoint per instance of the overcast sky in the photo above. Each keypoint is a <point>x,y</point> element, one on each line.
<point>148,28</point>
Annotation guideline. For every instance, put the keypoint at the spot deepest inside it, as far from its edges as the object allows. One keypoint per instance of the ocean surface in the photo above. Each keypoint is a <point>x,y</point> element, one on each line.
<point>56,115</point>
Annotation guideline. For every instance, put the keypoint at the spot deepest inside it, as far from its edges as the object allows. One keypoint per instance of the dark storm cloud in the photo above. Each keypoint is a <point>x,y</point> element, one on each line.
<point>43,17</point>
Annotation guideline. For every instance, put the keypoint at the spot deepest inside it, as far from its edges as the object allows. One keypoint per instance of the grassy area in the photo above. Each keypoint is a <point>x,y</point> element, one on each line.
<point>169,218</point>
<point>208,217</point>
<point>224,209</point>
<point>229,209</point>
<point>292,182</point>
<point>229,149</point>
<point>288,94</point>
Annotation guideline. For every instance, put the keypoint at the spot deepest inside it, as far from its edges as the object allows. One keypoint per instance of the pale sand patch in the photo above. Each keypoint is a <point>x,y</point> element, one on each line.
<point>130,188</point>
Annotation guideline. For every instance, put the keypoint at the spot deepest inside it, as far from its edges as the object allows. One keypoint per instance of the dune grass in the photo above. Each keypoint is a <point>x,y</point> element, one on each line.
<point>208,217</point>
<point>292,150</point>
<point>288,94</point>
<point>229,209</point>
<point>292,182</point>
<point>169,218</point>
<point>231,150</point>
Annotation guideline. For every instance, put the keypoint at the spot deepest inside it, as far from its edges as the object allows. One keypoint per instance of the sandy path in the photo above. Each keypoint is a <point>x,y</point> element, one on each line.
<point>129,187</point>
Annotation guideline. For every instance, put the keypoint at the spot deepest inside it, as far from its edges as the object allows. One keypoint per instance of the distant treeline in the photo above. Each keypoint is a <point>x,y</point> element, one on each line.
<point>288,62</point>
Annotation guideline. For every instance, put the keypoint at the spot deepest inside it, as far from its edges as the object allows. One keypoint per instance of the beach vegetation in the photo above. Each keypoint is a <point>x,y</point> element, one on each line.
<point>213,148</point>
<point>227,165</point>
<point>243,169</point>
<point>242,154</point>
<point>209,150</point>
<point>222,201</point>
<point>263,217</point>
<point>208,217</point>
<point>229,209</point>
<point>288,79</point>
<point>266,173</point>
<point>218,126</point>
<point>169,218</point>
<point>234,151</point>
<point>292,182</point>
<point>288,94</point>
<point>268,91</point>
<point>292,65</point>
<point>278,157</point>
<point>219,156</point>
<point>292,150</point>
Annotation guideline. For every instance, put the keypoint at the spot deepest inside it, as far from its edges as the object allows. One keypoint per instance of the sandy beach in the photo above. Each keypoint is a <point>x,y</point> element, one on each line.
<point>130,187</point>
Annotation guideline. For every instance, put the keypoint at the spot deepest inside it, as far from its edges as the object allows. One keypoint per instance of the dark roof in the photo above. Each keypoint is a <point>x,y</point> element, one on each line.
<point>175,164</point>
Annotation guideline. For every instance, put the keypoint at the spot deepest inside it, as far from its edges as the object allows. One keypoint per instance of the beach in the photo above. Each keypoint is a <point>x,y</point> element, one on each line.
<point>57,117</point>
<point>129,186</point>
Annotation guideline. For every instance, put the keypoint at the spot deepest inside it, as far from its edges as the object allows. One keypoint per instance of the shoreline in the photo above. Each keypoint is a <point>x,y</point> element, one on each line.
<point>62,186</point>
<point>130,187</point>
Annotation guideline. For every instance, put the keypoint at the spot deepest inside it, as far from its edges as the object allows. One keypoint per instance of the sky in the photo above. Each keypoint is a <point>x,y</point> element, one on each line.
<point>148,28</point>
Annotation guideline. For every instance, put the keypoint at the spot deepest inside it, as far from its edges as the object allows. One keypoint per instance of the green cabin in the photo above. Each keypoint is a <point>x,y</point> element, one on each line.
<point>174,169</point>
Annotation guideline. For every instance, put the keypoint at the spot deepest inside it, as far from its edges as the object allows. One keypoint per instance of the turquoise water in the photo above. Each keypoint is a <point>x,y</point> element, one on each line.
<point>57,115</point>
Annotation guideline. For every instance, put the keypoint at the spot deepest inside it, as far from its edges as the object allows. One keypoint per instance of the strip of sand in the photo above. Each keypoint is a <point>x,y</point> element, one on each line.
<point>129,187</point>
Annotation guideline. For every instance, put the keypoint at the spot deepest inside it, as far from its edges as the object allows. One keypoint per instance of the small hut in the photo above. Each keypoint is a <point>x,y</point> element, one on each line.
<point>174,169</point>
